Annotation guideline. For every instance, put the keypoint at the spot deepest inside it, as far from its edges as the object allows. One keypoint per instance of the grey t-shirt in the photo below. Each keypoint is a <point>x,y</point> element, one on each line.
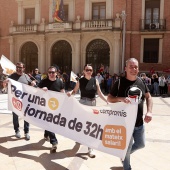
<point>21,78</point>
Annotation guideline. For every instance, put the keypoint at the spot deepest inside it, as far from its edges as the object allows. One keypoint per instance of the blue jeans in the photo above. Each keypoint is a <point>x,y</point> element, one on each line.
<point>156,88</point>
<point>53,139</point>
<point>16,124</point>
<point>137,142</point>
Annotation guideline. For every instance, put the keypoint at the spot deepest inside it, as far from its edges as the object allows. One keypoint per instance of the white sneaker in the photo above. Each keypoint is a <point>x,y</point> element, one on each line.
<point>17,134</point>
<point>91,153</point>
<point>27,136</point>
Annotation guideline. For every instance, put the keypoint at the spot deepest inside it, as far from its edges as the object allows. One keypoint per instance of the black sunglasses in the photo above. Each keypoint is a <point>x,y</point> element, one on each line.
<point>19,67</point>
<point>88,70</point>
<point>51,72</point>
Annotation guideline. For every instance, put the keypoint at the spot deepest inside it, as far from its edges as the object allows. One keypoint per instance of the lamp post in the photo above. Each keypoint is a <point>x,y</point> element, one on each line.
<point>123,15</point>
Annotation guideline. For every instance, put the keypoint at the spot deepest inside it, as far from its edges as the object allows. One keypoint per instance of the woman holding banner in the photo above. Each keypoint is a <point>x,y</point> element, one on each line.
<point>88,87</point>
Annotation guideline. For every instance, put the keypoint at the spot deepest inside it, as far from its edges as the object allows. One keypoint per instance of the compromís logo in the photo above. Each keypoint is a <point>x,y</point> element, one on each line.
<point>95,111</point>
<point>17,104</point>
<point>120,113</point>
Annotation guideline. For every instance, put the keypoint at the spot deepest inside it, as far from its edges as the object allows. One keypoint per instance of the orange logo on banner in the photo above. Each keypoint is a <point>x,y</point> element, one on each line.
<point>17,104</point>
<point>53,103</point>
<point>114,137</point>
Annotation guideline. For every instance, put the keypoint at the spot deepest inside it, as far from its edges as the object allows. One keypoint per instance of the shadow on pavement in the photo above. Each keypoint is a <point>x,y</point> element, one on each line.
<point>116,168</point>
<point>45,159</point>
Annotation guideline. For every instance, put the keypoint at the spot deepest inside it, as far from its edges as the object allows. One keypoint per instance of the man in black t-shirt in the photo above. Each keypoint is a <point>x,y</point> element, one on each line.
<point>54,84</point>
<point>122,90</point>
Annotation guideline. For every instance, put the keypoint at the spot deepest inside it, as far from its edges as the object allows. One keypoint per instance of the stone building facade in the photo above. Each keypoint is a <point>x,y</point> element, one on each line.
<point>93,31</point>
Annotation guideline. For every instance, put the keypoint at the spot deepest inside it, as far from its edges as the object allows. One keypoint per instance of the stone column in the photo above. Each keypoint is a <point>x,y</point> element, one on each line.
<point>11,42</point>
<point>76,56</point>
<point>51,11</point>
<point>20,13</point>
<point>87,10</point>
<point>37,12</point>
<point>41,55</point>
<point>115,60</point>
<point>109,7</point>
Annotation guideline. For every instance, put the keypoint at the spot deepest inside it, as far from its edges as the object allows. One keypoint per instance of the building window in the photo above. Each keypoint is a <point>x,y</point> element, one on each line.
<point>97,53</point>
<point>30,16</point>
<point>29,56</point>
<point>151,50</point>
<point>152,14</point>
<point>66,12</point>
<point>99,11</point>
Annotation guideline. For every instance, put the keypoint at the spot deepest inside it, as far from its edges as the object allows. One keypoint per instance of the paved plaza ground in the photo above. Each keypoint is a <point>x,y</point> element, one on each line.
<point>19,154</point>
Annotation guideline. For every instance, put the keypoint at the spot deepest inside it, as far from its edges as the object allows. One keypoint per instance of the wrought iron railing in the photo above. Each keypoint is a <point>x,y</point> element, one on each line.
<point>153,25</point>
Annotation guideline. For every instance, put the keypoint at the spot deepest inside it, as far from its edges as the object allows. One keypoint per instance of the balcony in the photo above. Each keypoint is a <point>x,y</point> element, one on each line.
<point>32,28</point>
<point>97,25</point>
<point>152,25</point>
<point>90,25</point>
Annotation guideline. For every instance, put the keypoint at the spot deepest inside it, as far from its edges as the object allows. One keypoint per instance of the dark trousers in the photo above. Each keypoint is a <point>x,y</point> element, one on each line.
<point>53,139</point>
<point>16,124</point>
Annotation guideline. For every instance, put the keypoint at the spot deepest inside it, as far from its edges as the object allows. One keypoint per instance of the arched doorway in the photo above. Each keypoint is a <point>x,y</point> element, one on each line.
<point>61,56</point>
<point>97,53</point>
<point>29,56</point>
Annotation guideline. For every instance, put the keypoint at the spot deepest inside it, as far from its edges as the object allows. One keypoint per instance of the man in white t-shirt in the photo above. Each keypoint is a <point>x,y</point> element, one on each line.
<point>100,79</point>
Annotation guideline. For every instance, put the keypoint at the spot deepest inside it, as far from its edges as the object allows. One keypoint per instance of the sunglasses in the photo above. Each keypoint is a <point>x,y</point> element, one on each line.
<point>51,72</point>
<point>88,70</point>
<point>36,70</point>
<point>19,67</point>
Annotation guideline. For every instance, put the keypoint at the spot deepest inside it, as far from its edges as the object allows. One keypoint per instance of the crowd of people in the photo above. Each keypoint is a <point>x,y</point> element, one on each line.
<point>157,83</point>
<point>100,81</point>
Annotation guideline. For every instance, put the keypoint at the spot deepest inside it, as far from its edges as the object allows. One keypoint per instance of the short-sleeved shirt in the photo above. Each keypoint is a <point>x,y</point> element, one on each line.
<point>88,88</point>
<point>123,90</point>
<point>24,78</point>
<point>56,85</point>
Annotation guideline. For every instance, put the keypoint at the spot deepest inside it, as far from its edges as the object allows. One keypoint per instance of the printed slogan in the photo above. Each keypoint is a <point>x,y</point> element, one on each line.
<point>106,128</point>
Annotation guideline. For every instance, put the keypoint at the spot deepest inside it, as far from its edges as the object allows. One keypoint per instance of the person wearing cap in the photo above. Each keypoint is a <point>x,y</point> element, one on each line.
<point>131,84</point>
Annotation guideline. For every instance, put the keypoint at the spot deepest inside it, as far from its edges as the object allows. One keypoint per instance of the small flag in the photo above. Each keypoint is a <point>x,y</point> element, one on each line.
<point>61,11</point>
<point>73,77</point>
<point>56,13</point>
<point>152,71</point>
<point>7,66</point>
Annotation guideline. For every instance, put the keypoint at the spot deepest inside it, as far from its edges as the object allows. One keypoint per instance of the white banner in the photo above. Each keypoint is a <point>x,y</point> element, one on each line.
<point>7,66</point>
<point>106,128</point>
